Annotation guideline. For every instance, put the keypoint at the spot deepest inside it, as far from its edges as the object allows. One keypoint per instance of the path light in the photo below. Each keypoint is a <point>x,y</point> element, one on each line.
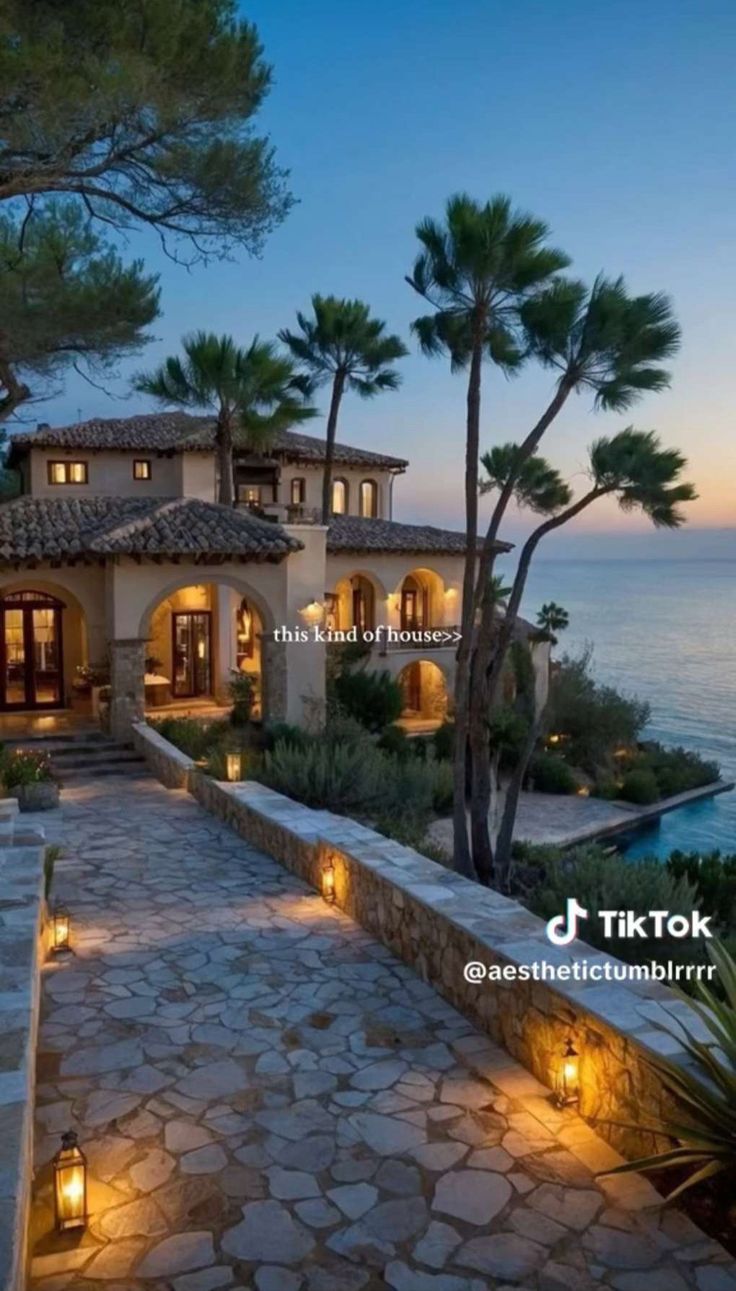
<point>60,929</point>
<point>233,765</point>
<point>568,1079</point>
<point>313,613</point>
<point>328,881</point>
<point>70,1184</point>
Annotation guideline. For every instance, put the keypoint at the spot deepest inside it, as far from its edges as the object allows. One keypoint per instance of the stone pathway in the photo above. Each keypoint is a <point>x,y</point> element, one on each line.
<point>268,1099</point>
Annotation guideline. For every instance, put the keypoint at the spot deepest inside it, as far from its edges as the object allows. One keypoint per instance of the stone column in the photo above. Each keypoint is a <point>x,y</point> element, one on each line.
<point>127,701</point>
<point>273,678</point>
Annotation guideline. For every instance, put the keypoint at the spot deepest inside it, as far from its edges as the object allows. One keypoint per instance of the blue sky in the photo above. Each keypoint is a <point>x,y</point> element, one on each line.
<point>613,121</point>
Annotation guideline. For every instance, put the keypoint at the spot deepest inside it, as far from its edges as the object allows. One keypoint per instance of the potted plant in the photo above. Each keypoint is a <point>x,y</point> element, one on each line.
<point>28,777</point>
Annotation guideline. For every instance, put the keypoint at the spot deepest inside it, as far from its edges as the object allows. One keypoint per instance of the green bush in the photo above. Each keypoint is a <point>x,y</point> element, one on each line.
<point>596,719</point>
<point>193,737</point>
<point>551,774</point>
<point>606,787</point>
<point>444,740</point>
<point>675,770</point>
<point>442,785</point>
<point>340,777</point>
<point>640,786</point>
<point>600,881</point>
<point>714,878</point>
<point>396,741</point>
<point>278,732</point>
<point>373,698</point>
<point>242,691</point>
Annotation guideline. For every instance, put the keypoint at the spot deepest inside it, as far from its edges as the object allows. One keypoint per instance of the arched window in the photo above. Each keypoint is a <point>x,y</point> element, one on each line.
<point>298,491</point>
<point>339,497</point>
<point>369,499</point>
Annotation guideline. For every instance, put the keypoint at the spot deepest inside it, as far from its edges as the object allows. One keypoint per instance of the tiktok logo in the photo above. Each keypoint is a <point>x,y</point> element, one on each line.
<point>564,927</point>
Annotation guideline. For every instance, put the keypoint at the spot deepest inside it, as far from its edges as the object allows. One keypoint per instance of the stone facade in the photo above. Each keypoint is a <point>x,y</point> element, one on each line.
<point>128,693</point>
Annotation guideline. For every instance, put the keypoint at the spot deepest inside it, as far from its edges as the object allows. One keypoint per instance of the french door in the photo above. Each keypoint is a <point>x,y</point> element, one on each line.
<point>192,653</point>
<point>31,654</point>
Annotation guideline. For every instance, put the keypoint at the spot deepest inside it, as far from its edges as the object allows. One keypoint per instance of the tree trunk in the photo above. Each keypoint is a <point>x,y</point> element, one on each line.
<point>338,387</point>
<point>504,841</point>
<point>224,444</point>
<point>462,857</point>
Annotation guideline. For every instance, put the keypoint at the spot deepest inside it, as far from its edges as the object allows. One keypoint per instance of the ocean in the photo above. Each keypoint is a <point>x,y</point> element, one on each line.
<point>665,631</point>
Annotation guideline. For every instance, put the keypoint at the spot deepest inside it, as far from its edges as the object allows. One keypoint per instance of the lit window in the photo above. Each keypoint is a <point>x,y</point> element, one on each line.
<point>141,469</point>
<point>369,499</point>
<point>67,472</point>
<point>297,491</point>
<point>249,494</point>
<point>339,497</point>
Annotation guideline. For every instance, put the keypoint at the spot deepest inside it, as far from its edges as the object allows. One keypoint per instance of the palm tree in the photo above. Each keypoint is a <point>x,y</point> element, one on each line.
<point>600,341</point>
<point>633,467</point>
<point>552,618</point>
<point>343,345</point>
<point>476,269</point>
<point>253,393</point>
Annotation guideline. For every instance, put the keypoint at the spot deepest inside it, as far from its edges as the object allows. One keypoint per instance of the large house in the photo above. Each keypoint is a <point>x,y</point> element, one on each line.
<point>117,555</point>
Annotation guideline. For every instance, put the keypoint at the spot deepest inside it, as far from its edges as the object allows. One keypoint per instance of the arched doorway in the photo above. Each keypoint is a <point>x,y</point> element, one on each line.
<point>424,690</point>
<point>31,651</point>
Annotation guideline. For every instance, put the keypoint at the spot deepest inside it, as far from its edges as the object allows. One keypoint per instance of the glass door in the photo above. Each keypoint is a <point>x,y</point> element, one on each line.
<point>191,644</point>
<point>31,672</point>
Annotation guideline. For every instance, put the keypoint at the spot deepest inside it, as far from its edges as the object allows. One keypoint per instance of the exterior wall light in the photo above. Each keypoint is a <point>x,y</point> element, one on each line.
<point>233,766</point>
<point>60,929</point>
<point>313,613</point>
<point>328,882</point>
<point>568,1079</point>
<point>70,1184</point>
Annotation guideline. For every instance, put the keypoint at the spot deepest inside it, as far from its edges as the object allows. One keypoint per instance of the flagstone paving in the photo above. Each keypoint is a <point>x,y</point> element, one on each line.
<point>269,1099</point>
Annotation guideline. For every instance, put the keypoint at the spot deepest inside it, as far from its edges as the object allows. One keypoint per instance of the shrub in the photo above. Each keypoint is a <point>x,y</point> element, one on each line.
<point>444,740</point>
<point>194,738</point>
<point>373,698</point>
<point>26,766</point>
<point>278,732</point>
<point>639,786</point>
<point>609,882</point>
<point>340,777</point>
<point>675,770</point>
<point>606,787</point>
<point>597,719</point>
<point>442,784</point>
<point>714,878</point>
<point>396,741</point>
<point>242,691</point>
<point>551,774</point>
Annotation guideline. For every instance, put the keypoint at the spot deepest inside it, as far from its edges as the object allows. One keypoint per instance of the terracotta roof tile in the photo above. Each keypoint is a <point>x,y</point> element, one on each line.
<point>354,533</point>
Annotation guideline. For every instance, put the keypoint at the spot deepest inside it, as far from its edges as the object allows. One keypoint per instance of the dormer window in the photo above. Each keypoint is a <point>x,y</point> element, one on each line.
<point>67,472</point>
<point>369,499</point>
<point>141,468</point>
<point>339,497</point>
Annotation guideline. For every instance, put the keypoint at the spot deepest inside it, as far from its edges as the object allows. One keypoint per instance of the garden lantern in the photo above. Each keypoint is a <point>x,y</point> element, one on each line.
<point>568,1082</point>
<point>328,882</point>
<point>60,929</point>
<point>233,765</point>
<point>70,1184</point>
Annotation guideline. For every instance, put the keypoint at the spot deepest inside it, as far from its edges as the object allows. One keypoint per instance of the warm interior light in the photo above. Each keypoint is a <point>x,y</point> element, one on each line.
<point>313,612</point>
<point>568,1082</point>
<point>70,1184</point>
<point>233,765</point>
<point>60,929</point>
<point>328,882</point>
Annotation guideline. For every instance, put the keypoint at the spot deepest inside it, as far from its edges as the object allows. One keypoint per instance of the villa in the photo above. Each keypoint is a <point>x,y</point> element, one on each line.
<point>117,552</point>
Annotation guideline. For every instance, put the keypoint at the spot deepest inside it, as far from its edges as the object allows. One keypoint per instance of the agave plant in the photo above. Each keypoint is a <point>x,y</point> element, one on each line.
<point>707,1133</point>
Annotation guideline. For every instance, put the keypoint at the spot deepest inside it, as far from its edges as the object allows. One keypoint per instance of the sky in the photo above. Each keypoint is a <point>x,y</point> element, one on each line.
<point>612,120</point>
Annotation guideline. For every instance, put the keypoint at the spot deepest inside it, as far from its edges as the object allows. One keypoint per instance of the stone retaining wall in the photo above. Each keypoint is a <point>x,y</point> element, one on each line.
<point>437,921</point>
<point>21,954</point>
<point>168,764</point>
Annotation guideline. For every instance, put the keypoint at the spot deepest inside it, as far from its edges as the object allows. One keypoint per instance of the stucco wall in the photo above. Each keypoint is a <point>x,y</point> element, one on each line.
<point>312,476</point>
<point>82,591</point>
<point>108,474</point>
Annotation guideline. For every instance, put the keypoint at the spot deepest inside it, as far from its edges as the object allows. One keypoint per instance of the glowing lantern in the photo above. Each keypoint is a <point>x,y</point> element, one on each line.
<point>70,1184</point>
<point>568,1083</point>
<point>233,765</point>
<point>60,929</point>
<point>328,882</point>
<point>313,613</point>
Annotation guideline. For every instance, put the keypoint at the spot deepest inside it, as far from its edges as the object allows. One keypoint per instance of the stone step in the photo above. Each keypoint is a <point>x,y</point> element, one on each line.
<point>104,769</point>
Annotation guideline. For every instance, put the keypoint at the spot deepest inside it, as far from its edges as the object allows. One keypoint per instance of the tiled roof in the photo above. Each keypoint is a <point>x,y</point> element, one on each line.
<point>69,528</point>
<point>354,533</point>
<point>165,432</point>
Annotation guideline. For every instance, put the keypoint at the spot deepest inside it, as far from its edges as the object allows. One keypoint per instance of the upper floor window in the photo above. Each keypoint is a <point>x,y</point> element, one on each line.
<point>298,491</point>
<point>339,497</point>
<point>67,472</point>
<point>369,499</point>
<point>249,494</point>
<point>141,469</point>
